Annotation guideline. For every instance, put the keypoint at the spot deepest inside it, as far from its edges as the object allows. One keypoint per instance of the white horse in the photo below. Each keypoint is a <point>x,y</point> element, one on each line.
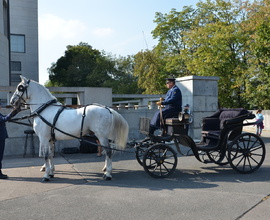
<point>106,123</point>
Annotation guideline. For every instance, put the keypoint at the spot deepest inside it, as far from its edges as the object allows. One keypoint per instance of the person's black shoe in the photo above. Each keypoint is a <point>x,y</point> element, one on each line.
<point>3,176</point>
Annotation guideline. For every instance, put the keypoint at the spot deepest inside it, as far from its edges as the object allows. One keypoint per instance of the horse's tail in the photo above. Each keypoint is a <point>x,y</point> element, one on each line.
<point>119,130</point>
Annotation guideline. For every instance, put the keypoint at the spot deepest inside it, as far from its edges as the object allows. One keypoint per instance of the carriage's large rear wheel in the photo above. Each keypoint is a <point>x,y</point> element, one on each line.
<point>246,153</point>
<point>160,161</point>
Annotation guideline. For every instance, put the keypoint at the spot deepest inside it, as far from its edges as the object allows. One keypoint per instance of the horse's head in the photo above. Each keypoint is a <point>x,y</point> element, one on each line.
<point>20,95</point>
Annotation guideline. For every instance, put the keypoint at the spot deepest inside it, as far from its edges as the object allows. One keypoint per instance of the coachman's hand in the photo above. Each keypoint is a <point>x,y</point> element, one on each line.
<point>158,103</point>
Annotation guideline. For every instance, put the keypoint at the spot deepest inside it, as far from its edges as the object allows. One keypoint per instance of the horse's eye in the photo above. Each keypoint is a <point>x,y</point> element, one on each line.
<point>21,88</point>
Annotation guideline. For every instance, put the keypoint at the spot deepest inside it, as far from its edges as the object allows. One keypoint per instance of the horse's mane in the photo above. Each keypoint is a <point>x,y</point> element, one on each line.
<point>43,91</point>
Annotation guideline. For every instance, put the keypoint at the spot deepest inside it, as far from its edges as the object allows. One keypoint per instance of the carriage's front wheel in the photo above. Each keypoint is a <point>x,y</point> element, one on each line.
<point>246,153</point>
<point>140,150</point>
<point>160,161</point>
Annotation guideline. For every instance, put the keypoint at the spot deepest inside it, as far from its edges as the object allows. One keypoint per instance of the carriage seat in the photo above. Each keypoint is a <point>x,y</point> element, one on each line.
<point>212,125</point>
<point>175,127</point>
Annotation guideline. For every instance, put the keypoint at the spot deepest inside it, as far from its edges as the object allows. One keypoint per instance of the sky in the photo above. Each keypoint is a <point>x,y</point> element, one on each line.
<point>119,27</point>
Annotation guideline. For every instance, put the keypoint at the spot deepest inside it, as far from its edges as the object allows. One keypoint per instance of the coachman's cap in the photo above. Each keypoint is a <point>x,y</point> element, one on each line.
<point>170,80</point>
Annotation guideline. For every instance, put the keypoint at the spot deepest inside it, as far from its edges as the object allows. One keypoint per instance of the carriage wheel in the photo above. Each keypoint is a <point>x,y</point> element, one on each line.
<point>246,153</point>
<point>214,156</point>
<point>160,161</point>
<point>140,152</point>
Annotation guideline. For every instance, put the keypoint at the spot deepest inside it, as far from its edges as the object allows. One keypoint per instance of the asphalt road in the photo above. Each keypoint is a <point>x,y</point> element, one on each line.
<point>78,191</point>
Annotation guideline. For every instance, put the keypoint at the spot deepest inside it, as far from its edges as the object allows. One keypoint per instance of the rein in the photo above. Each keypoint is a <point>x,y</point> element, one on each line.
<point>16,120</point>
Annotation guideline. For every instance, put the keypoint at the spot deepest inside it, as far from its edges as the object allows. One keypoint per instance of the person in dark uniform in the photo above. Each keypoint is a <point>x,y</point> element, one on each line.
<point>173,105</point>
<point>3,136</point>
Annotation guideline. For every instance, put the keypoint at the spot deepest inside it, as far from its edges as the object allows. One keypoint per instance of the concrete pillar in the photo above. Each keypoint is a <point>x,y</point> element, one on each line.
<point>80,98</point>
<point>121,106</point>
<point>143,104</point>
<point>130,105</point>
<point>68,101</point>
<point>201,93</point>
<point>153,105</point>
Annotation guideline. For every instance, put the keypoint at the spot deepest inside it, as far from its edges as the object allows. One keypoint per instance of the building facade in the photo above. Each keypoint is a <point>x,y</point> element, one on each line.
<point>18,41</point>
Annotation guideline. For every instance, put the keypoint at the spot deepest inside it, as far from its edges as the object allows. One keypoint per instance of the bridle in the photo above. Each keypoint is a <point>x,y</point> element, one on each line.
<point>21,90</point>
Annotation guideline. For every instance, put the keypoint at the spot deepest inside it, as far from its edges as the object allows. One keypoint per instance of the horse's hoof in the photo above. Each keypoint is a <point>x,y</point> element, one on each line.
<point>45,180</point>
<point>51,176</point>
<point>107,177</point>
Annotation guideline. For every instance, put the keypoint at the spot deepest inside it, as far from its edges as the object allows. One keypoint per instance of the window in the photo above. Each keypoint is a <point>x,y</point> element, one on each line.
<point>17,43</point>
<point>16,66</point>
<point>5,17</point>
<point>15,79</point>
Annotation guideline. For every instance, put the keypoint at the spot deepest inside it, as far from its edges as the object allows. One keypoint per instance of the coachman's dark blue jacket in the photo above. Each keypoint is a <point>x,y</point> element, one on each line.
<point>173,99</point>
<point>173,105</point>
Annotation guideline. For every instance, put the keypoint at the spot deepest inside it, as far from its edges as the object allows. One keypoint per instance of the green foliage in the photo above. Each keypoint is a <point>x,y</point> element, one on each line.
<point>149,70</point>
<point>80,66</point>
<point>258,80</point>
<point>122,80</point>
<point>228,39</point>
<point>83,66</point>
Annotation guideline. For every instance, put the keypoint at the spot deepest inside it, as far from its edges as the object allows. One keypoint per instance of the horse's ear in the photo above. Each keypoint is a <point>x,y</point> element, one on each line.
<point>23,79</point>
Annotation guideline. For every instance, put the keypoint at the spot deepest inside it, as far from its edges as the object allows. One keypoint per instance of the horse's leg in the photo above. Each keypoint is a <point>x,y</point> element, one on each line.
<point>42,169</point>
<point>48,155</point>
<point>108,164</point>
<point>107,169</point>
<point>51,173</point>
<point>47,170</point>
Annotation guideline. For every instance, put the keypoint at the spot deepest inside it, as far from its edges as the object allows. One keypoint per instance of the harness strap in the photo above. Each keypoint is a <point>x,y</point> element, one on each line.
<point>54,122</point>
<point>45,105</point>
<point>103,106</point>
<point>83,116</point>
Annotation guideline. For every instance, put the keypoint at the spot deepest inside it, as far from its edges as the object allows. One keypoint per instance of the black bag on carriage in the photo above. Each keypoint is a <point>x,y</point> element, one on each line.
<point>89,144</point>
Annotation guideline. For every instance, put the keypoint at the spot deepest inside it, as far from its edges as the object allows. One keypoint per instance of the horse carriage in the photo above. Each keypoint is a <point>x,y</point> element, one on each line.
<point>222,142</point>
<point>222,139</point>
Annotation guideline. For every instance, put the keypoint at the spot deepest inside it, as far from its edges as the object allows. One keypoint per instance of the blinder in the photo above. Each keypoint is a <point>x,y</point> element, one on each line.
<point>21,88</point>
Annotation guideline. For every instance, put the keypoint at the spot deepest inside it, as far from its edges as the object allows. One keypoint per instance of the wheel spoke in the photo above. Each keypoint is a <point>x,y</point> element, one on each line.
<point>254,159</point>
<point>165,168</point>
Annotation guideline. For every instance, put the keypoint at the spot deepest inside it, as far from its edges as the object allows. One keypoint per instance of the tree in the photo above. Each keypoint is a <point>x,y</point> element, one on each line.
<point>80,66</point>
<point>215,40</point>
<point>257,27</point>
<point>149,68</point>
<point>83,66</point>
<point>170,31</point>
<point>216,47</point>
<point>122,79</point>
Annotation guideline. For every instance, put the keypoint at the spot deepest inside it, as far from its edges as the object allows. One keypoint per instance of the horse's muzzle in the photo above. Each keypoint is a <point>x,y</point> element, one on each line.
<point>15,101</point>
